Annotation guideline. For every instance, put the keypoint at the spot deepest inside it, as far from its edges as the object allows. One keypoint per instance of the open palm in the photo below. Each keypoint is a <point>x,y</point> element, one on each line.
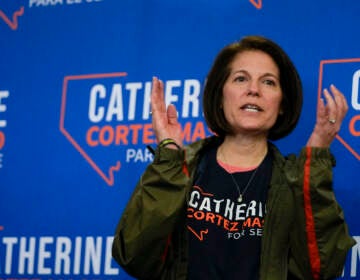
<point>164,120</point>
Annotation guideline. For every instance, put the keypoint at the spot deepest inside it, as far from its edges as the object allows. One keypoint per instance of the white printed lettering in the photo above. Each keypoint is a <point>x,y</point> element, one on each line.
<point>115,106</point>
<point>355,101</point>
<point>3,94</point>
<point>109,270</point>
<point>27,255</point>
<point>92,255</point>
<point>133,88</point>
<point>97,91</point>
<point>63,250</point>
<point>170,97</point>
<point>191,96</point>
<point>355,256</point>
<point>44,254</point>
<point>9,243</point>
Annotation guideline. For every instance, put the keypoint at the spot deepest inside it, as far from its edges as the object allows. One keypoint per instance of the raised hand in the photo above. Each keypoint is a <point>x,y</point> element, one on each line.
<point>329,117</point>
<point>164,120</point>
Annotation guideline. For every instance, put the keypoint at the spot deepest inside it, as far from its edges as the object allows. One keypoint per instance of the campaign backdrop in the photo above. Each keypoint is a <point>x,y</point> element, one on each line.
<point>75,81</point>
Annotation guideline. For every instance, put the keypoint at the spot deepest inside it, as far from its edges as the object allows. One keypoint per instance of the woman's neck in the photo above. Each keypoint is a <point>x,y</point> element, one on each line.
<point>243,151</point>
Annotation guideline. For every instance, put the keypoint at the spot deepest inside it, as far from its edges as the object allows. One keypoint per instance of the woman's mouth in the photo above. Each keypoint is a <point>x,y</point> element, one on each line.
<point>251,108</point>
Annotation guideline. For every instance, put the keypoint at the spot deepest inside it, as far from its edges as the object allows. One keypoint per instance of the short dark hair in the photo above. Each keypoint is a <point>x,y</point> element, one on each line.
<point>290,84</point>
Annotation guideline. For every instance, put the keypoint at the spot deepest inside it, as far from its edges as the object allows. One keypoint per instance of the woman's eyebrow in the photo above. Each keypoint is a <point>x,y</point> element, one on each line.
<point>266,74</point>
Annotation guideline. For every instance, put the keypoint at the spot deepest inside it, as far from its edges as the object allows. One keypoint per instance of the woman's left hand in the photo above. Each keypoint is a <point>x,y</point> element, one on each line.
<point>328,118</point>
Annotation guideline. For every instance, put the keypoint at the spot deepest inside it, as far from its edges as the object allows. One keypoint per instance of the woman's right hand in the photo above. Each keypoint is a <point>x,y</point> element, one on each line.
<point>164,120</point>
<point>329,117</point>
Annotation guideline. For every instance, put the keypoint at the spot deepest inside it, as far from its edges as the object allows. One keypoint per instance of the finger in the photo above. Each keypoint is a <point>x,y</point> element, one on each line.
<point>172,114</point>
<point>157,96</point>
<point>330,108</point>
<point>321,112</point>
<point>341,103</point>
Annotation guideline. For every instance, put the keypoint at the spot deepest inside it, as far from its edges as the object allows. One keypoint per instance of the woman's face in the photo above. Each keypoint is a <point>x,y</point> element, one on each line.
<point>252,93</point>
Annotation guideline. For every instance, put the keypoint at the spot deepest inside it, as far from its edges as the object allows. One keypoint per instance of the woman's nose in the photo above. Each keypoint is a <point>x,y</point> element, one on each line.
<point>253,89</point>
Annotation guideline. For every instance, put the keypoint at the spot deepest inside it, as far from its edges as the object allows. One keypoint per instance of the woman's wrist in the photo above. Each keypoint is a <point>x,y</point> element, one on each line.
<point>169,143</point>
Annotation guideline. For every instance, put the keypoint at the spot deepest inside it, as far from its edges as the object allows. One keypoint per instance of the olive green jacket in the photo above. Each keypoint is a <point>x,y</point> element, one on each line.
<point>304,237</point>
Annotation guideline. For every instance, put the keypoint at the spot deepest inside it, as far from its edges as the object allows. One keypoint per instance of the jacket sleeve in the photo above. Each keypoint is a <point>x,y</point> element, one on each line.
<point>319,241</point>
<point>142,237</point>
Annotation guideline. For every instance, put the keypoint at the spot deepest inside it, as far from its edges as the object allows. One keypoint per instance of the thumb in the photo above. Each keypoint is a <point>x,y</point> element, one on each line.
<point>172,114</point>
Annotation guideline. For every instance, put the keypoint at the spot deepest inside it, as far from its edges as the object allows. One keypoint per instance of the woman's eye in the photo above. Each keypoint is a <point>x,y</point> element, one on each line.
<point>269,82</point>
<point>240,79</point>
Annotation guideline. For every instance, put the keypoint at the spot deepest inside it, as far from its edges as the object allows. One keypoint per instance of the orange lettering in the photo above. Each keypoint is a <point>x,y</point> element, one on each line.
<point>352,128</point>
<point>256,222</point>
<point>106,135</point>
<point>186,132</point>
<point>210,217</point>
<point>234,226</point>
<point>199,132</point>
<point>199,215</point>
<point>247,223</point>
<point>148,134</point>
<point>226,224</point>
<point>2,140</point>
<point>220,218</point>
<point>190,212</point>
<point>135,130</point>
<point>122,132</point>
<point>91,142</point>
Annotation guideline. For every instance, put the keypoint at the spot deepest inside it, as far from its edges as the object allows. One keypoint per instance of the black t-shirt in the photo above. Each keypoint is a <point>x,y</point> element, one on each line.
<point>224,234</point>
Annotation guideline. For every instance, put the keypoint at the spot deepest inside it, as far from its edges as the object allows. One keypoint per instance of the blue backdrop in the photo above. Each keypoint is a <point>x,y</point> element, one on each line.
<point>74,111</point>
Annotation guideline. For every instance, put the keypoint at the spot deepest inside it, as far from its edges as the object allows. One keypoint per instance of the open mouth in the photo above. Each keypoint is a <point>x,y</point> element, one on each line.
<point>251,108</point>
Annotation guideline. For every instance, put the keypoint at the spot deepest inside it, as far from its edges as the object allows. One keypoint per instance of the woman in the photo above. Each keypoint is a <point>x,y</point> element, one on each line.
<point>231,206</point>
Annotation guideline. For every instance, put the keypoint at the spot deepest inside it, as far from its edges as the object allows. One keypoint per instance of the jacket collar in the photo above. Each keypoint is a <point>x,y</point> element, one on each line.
<point>196,149</point>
